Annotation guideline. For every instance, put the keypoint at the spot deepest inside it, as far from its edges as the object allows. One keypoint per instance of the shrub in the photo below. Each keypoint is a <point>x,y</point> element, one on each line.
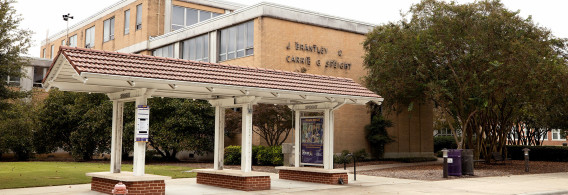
<point>271,155</point>
<point>442,142</point>
<point>539,153</point>
<point>261,155</point>
<point>342,158</point>
<point>232,155</point>
<point>377,135</point>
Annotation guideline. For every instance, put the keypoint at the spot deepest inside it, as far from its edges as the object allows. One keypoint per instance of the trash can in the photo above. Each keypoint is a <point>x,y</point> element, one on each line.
<point>454,162</point>
<point>467,162</point>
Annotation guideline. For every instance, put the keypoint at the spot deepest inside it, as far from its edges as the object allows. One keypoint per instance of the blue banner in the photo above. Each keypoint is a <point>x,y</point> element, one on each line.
<point>312,140</point>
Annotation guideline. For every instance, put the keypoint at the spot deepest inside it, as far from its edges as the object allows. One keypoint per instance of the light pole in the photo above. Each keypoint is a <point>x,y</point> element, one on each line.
<point>445,169</point>
<point>66,17</point>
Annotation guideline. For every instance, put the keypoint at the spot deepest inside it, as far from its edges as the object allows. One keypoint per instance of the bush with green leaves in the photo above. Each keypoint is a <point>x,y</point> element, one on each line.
<point>377,135</point>
<point>342,158</point>
<point>539,153</point>
<point>17,124</point>
<point>441,142</point>
<point>261,155</point>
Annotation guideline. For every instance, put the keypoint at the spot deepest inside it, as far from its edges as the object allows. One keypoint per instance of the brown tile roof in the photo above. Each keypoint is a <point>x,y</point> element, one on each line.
<point>135,65</point>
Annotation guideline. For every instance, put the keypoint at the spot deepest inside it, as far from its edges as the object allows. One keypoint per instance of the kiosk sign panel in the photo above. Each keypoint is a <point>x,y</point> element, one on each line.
<point>142,123</point>
<point>311,138</point>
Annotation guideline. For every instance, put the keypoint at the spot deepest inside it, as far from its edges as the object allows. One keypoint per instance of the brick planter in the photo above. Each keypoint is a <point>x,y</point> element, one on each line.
<point>314,175</point>
<point>148,184</point>
<point>234,179</point>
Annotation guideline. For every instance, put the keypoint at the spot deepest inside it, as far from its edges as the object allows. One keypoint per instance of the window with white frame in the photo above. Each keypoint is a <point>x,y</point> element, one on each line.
<point>236,41</point>
<point>126,22</point>
<point>62,42</point>
<point>139,17</point>
<point>108,29</point>
<point>44,55</point>
<point>166,51</point>
<point>182,16</point>
<point>90,37</point>
<point>39,74</point>
<point>196,48</point>
<point>73,41</point>
<point>52,55</point>
<point>556,135</point>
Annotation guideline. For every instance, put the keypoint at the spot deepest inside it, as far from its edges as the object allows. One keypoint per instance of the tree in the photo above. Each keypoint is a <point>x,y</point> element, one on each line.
<point>180,124</point>
<point>13,43</point>
<point>17,124</point>
<point>478,62</point>
<point>78,123</point>
<point>271,122</point>
<point>377,135</point>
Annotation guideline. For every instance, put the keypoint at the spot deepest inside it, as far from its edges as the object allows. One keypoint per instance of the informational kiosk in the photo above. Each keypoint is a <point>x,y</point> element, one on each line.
<point>131,77</point>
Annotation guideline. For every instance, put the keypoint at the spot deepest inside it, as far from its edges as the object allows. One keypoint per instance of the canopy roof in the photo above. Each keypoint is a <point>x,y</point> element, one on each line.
<point>88,70</point>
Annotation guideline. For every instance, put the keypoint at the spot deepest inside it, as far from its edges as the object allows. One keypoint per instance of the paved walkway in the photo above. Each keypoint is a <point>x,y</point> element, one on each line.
<point>386,166</point>
<point>552,183</point>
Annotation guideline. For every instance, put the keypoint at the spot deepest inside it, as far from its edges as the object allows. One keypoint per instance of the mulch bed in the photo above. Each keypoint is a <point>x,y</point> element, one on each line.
<point>434,172</point>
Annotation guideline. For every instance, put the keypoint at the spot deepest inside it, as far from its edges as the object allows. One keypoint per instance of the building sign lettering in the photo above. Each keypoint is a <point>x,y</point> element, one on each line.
<point>313,48</point>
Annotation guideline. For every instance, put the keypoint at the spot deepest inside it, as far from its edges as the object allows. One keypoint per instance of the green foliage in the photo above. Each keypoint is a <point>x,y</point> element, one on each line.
<point>377,135</point>
<point>441,142</point>
<point>78,123</point>
<point>272,122</point>
<point>539,153</point>
<point>484,66</point>
<point>233,155</point>
<point>261,155</point>
<point>412,159</point>
<point>13,43</point>
<point>180,124</point>
<point>17,124</point>
<point>342,158</point>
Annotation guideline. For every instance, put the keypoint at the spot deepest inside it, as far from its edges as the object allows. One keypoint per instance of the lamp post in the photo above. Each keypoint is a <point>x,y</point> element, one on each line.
<point>66,17</point>
<point>526,151</point>
<point>445,155</point>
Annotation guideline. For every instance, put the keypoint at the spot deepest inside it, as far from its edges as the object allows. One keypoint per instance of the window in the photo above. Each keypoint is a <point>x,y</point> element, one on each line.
<point>139,17</point>
<point>39,74</point>
<point>556,135</point>
<point>126,22</point>
<point>62,42</point>
<point>544,135</point>
<point>43,54</point>
<point>52,55</point>
<point>166,51</point>
<point>182,16</point>
<point>73,41</point>
<point>108,29</point>
<point>90,37</point>
<point>13,81</point>
<point>196,48</point>
<point>236,41</point>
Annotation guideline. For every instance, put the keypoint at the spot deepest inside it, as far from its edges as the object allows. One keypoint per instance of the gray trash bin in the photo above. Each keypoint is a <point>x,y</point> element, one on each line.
<point>455,167</point>
<point>467,162</point>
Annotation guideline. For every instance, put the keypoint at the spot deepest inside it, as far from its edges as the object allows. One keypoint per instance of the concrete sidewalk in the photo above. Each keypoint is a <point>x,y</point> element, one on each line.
<point>552,183</point>
<point>440,161</point>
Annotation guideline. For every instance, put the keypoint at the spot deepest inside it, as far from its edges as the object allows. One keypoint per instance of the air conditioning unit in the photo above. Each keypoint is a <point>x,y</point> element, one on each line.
<point>138,26</point>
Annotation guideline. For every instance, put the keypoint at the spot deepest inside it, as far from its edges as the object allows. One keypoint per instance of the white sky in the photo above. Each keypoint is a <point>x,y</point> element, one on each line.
<point>42,15</point>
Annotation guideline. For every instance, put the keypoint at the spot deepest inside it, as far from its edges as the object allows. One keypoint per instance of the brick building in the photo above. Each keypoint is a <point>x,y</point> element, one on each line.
<point>264,35</point>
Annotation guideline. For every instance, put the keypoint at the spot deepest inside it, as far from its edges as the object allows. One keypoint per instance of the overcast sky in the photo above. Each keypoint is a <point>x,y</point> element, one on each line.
<point>42,16</point>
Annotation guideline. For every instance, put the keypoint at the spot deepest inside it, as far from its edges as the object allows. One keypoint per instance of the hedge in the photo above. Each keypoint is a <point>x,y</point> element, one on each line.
<point>539,153</point>
<point>441,142</point>
<point>261,155</point>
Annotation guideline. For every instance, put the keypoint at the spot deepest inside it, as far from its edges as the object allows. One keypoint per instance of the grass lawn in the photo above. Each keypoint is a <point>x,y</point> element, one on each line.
<point>32,174</point>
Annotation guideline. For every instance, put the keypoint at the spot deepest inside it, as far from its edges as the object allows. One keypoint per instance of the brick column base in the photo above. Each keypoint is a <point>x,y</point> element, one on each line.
<point>235,182</point>
<point>314,177</point>
<point>103,185</point>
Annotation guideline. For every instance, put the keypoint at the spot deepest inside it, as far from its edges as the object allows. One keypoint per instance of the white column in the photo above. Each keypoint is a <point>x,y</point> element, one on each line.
<point>139,147</point>
<point>116,140</point>
<point>327,147</point>
<point>297,146</point>
<point>219,138</point>
<point>246,145</point>
<point>213,47</point>
<point>167,16</point>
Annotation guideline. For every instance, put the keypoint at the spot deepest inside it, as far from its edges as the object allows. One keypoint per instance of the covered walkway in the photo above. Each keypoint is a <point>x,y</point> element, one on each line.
<point>131,77</point>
